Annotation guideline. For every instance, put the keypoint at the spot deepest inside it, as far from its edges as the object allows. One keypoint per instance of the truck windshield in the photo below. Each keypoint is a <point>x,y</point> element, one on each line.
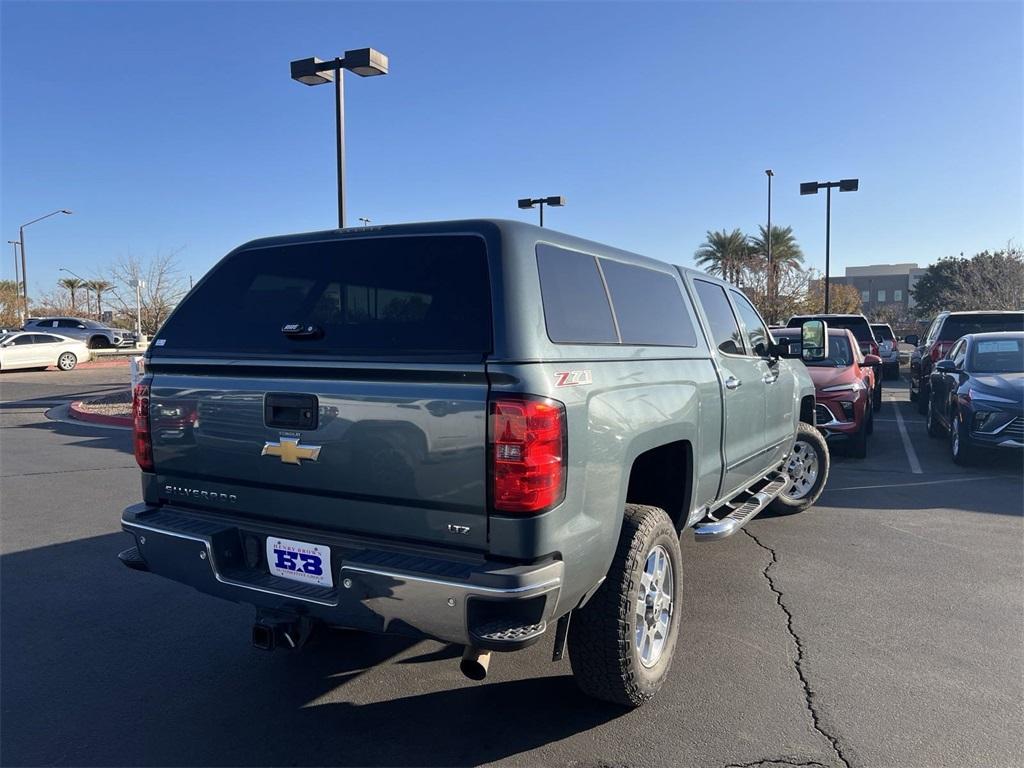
<point>362,297</point>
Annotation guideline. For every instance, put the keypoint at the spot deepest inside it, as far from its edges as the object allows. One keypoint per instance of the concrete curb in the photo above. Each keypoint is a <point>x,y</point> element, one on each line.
<point>75,412</point>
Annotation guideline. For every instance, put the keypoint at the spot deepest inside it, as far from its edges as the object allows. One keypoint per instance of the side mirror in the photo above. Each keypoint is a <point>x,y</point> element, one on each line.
<point>912,339</point>
<point>946,366</point>
<point>872,360</point>
<point>813,340</point>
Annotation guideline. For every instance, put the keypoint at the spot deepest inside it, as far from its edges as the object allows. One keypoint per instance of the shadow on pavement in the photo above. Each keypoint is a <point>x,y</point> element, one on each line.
<point>104,666</point>
<point>89,436</point>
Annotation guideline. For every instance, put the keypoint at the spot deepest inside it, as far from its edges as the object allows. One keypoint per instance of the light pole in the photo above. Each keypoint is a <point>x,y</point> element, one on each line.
<point>88,303</point>
<point>365,62</point>
<point>811,188</point>
<point>771,301</point>
<point>17,270</point>
<point>556,201</point>
<point>24,276</point>
<point>366,221</point>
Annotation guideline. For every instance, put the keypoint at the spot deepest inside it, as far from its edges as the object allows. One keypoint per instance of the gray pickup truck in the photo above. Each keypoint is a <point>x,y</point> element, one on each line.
<point>474,431</point>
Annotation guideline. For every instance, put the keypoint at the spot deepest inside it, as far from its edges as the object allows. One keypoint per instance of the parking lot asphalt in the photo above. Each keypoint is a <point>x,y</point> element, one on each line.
<point>882,628</point>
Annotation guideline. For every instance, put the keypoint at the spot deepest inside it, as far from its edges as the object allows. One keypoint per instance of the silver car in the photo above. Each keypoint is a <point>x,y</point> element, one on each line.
<point>888,350</point>
<point>96,335</point>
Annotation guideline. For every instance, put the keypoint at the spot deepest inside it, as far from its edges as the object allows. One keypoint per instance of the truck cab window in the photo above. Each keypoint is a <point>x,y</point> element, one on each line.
<point>756,333</point>
<point>725,331</point>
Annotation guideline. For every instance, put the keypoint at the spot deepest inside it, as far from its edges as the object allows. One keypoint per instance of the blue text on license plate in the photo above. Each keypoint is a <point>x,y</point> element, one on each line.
<point>300,561</point>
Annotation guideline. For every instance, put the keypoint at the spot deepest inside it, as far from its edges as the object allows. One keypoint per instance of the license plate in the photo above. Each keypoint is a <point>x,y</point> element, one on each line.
<point>300,561</point>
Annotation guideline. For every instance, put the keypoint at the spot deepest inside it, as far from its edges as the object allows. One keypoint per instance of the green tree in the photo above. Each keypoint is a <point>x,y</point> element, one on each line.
<point>726,254</point>
<point>786,251</point>
<point>99,287</point>
<point>987,280</point>
<point>10,304</point>
<point>72,284</point>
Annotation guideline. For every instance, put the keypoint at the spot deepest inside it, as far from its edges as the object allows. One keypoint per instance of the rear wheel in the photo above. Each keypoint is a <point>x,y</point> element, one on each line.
<point>871,420</point>
<point>99,342</point>
<point>621,643</point>
<point>923,395</point>
<point>67,361</point>
<point>807,469</point>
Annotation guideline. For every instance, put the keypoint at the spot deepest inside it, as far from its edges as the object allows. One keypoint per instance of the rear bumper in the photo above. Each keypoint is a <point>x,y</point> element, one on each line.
<point>396,590</point>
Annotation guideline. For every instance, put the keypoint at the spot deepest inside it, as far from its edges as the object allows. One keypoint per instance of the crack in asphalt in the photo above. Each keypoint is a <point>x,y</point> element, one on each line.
<point>777,761</point>
<point>798,664</point>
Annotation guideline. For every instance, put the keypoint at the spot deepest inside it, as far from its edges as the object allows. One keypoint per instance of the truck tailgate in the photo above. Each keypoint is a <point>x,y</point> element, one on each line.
<point>397,451</point>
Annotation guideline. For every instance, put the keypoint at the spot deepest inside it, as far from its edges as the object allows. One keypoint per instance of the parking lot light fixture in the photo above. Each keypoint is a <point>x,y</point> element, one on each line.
<point>365,62</point>
<point>555,201</point>
<point>811,188</point>
<point>17,270</point>
<point>24,276</point>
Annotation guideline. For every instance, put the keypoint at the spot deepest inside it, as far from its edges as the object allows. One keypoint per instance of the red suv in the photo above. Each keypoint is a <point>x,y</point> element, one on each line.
<point>843,382</point>
<point>859,326</point>
<point>943,333</point>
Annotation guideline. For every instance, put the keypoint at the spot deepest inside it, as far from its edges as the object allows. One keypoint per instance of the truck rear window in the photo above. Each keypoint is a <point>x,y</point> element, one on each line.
<point>397,296</point>
<point>960,325</point>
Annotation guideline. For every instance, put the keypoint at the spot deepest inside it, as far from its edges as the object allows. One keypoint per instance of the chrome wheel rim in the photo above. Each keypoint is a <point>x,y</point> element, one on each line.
<point>802,470</point>
<point>65,361</point>
<point>654,605</point>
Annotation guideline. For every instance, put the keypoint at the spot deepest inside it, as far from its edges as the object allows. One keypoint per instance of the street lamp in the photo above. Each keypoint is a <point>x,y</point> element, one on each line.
<point>556,201</point>
<point>811,188</point>
<point>366,221</point>
<point>365,62</point>
<point>24,276</point>
<point>771,307</point>
<point>17,272</point>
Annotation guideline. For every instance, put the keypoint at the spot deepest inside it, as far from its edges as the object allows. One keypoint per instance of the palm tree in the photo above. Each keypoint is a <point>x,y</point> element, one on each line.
<point>98,287</point>
<point>725,254</point>
<point>786,256</point>
<point>786,253</point>
<point>72,284</point>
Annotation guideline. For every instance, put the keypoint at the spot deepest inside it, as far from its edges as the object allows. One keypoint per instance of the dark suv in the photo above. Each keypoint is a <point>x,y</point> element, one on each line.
<point>862,332</point>
<point>942,334</point>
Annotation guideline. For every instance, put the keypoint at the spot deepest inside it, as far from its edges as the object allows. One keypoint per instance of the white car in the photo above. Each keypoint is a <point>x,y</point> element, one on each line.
<point>20,349</point>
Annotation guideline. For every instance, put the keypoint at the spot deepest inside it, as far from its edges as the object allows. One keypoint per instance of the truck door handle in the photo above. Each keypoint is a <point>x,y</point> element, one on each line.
<point>769,378</point>
<point>732,383</point>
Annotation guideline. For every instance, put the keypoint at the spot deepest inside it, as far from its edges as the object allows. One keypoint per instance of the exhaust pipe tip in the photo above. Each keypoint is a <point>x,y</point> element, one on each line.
<point>474,663</point>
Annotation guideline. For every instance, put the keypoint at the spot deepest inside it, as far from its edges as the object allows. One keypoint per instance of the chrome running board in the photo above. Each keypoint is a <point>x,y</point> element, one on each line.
<point>714,530</point>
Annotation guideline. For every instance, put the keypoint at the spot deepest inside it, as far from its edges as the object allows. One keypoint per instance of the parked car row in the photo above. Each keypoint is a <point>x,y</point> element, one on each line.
<point>976,394</point>
<point>94,334</point>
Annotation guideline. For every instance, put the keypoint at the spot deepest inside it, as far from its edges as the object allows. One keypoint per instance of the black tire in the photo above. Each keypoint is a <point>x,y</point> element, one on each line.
<point>960,448</point>
<point>923,395</point>
<point>602,635</point>
<point>870,428</point>
<point>876,399</point>
<point>813,440</point>
<point>930,423</point>
<point>99,342</point>
<point>859,444</point>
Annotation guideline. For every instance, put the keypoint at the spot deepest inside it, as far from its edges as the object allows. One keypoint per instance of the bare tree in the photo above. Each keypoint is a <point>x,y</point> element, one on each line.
<point>163,287</point>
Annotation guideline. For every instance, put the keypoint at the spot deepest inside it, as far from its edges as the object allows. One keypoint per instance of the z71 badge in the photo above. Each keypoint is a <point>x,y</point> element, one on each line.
<point>573,378</point>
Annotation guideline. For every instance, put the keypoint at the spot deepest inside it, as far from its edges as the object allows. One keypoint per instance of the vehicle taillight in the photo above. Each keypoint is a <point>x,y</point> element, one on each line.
<point>527,454</point>
<point>142,437</point>
<point>939,350</point>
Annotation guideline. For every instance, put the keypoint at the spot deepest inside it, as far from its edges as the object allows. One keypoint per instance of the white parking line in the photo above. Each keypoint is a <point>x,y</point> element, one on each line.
<point>925,482</point>
<point>915,465</point>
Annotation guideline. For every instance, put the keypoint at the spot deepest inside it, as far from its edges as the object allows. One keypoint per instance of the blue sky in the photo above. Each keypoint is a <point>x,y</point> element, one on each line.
<point>176,126</point>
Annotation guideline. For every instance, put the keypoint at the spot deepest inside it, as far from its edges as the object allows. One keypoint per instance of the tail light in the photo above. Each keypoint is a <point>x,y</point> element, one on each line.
<point>527,447</point>
<point>142,437</point>
<point>939,350</point>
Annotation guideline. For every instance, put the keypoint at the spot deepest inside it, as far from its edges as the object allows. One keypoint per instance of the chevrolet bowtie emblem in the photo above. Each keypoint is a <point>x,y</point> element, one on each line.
<point>290,451</point>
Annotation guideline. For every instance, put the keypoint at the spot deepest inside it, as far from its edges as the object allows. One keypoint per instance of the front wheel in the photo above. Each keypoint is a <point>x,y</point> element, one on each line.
<point>923,395</point>
<point>930,422</point>
<point>621,642</point>
<point>67,361</point>
<point>806,469</point>
<point>959,441</point>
